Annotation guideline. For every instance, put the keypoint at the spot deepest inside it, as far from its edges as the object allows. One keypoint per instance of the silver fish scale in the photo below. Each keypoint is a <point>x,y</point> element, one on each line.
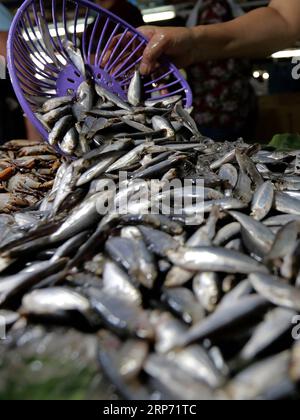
<point>189,307</point>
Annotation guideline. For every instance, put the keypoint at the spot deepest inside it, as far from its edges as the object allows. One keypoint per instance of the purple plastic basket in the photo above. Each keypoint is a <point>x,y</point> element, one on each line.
<point>90,28</point>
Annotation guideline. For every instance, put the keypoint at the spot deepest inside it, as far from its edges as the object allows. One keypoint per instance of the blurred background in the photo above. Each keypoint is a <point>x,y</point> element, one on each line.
<point>277,106</point>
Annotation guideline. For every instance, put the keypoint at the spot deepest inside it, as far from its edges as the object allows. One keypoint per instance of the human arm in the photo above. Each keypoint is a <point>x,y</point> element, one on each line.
<point>256,34</point>
<point>3,40</point>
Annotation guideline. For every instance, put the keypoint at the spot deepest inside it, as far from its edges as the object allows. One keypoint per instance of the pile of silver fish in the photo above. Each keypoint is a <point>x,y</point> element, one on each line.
<point>84,120</point>
<point>182,307</point>
<point>27,172</point>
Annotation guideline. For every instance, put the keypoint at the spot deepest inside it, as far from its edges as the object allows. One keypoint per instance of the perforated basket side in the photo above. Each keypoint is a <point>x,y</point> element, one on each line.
<point>35,75</point>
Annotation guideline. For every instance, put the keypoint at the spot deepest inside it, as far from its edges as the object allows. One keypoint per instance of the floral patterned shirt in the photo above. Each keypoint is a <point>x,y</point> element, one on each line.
<point>223,95</point>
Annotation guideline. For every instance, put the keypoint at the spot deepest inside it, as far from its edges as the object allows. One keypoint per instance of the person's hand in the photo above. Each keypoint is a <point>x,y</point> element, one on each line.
<point>3,41</point>
<point>176,43</point>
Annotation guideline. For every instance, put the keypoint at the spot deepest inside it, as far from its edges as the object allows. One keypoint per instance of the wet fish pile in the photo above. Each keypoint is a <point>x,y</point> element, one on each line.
<point>27,171</point>
<point>183,308</point>
<point>86,119</point>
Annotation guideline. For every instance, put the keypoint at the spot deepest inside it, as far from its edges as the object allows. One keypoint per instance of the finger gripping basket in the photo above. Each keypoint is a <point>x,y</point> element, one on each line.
<point>37,75</point>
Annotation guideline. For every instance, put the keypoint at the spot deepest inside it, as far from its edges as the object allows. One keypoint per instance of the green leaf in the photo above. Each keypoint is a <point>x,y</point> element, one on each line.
<point>286,142</point>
